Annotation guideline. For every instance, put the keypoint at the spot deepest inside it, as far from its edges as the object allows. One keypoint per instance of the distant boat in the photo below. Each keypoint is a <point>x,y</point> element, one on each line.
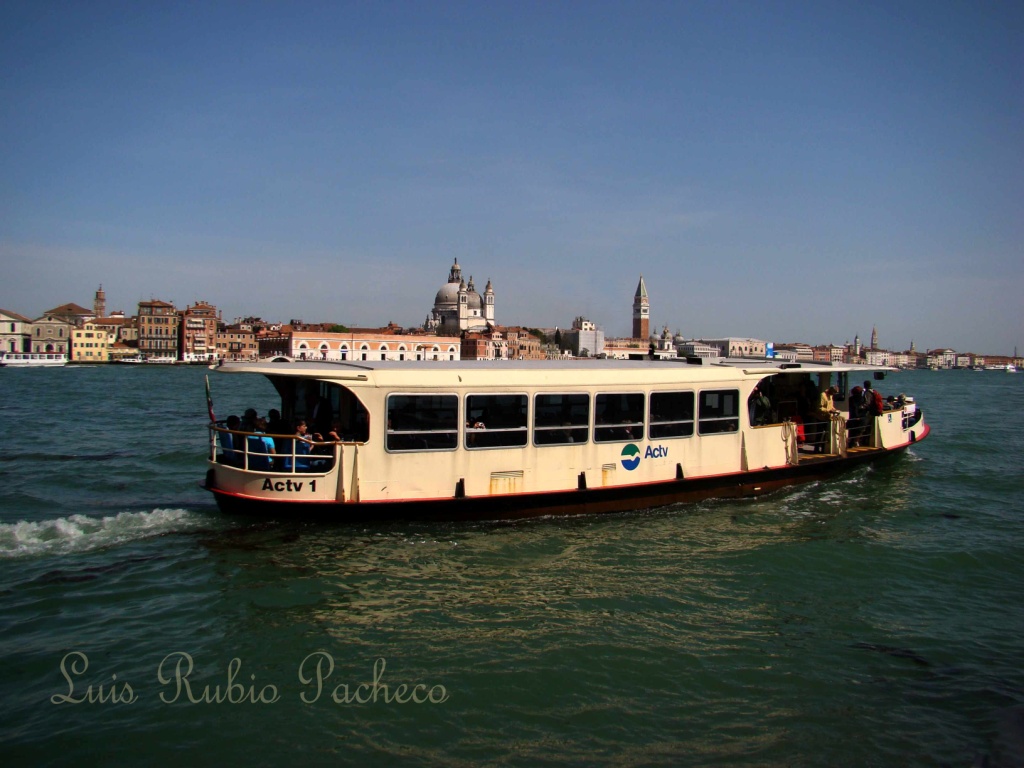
<point>32,360</point>
<point>140,360</point>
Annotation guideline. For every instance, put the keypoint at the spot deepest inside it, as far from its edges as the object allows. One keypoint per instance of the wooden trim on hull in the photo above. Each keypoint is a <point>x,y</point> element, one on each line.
<point>576,502</point>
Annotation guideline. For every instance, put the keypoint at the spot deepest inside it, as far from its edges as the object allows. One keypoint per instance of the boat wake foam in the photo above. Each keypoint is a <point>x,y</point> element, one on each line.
<point>81,533</point>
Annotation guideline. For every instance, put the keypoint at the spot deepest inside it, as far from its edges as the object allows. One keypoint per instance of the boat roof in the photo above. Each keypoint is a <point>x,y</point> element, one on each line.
<point>569,372</point>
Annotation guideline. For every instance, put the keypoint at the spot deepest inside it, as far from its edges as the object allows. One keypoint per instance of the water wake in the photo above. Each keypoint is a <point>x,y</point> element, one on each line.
<point>81,533</point>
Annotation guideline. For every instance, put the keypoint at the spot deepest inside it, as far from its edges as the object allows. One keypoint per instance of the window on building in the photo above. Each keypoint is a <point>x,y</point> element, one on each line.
<point>671,415</point>
<point>560,419</point>
<point>618,417</point>
<point>422,422</point>
<point>496,421</point>
<point>719,411</point>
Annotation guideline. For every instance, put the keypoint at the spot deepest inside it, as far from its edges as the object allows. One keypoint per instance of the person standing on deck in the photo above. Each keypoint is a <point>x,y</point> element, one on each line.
<point>857,411</point>
<point>873,406</point>
<point>823,415</point>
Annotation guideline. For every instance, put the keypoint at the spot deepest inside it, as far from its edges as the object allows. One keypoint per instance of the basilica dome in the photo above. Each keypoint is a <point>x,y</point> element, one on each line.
<point>458,306</point>
<point>448,295</point>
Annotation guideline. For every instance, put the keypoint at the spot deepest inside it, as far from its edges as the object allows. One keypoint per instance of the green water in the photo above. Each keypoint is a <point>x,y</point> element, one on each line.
<point>871,621</point>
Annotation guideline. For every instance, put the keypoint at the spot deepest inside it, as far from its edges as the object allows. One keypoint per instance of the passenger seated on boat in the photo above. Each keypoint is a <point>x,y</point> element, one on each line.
<point>335,435</point>
<point>303,446</point>
<point>258,446</point>
<point>229,454</point>
<point>278,426</point>
<point>249,420</point>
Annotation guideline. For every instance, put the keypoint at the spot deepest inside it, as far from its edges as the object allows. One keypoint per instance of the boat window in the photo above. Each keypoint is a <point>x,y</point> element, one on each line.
<point>671,415</point>
<point>422,422</point>
<point>560,419</point>
<point>719,411</point>
<point>495,421</point>
<point>618,417</point>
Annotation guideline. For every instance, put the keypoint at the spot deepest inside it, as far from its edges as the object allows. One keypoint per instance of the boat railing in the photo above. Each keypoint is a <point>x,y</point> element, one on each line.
<point>250,451</point>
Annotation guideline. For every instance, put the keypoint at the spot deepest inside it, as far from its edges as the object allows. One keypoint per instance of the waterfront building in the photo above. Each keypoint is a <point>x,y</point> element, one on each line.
<point>739,347</point>
<point>804,352</point>
<point>584,339</point>
<point>486,344</point>
<point>115,324</point>
<point>694,348</point>
<point>523,345</point>
<point>158,324</point>
<point>129,333</point>
<point>879,357</point>
<point>15,332</point>
<point>458,307</point>
<point>51,334</point>
<point>235,342</point>
<point>625,349</point>
<point>941,358</point>
<point>71,313</point>
<point>828,353</point>
<point>198,332</point>
<point>389,343</point>
<point>92,343</point>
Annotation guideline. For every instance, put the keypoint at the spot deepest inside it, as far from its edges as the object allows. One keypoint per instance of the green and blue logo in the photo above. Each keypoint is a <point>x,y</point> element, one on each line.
<point>630,457</point>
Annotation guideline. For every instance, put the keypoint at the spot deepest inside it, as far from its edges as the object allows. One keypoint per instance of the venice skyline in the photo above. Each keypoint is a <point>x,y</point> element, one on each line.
<point>769,169</point>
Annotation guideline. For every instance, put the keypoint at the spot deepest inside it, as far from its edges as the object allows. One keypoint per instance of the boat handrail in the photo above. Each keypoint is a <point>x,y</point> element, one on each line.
<point>286,462</point>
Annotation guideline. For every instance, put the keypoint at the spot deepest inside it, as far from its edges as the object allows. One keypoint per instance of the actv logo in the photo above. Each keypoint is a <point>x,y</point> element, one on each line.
<point>631,455</point>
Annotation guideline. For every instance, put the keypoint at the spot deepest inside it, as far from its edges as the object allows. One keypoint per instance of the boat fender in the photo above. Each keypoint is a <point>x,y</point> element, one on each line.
<point>679,472</point>
<point>460,488</point>
<point>913,436</point>
<point>582,482</point>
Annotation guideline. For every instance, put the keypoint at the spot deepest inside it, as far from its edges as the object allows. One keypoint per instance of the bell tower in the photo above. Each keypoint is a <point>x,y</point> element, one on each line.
<point>641,312</point>
<point>489,302</point>
<point>99,303</point>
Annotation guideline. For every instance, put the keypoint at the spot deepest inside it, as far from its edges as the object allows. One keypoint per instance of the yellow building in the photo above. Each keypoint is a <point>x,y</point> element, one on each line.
<point>91,344</point>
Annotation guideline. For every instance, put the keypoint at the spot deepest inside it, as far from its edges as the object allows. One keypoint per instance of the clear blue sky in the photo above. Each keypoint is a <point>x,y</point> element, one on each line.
<point>782,170</point>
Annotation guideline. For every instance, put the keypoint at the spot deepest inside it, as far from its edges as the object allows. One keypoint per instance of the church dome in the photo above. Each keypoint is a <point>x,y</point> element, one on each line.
<point>449,294</point>
<point>459,306</point>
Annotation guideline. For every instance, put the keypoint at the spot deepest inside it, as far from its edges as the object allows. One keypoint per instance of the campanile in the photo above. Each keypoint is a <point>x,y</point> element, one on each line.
<point>641,312</point>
